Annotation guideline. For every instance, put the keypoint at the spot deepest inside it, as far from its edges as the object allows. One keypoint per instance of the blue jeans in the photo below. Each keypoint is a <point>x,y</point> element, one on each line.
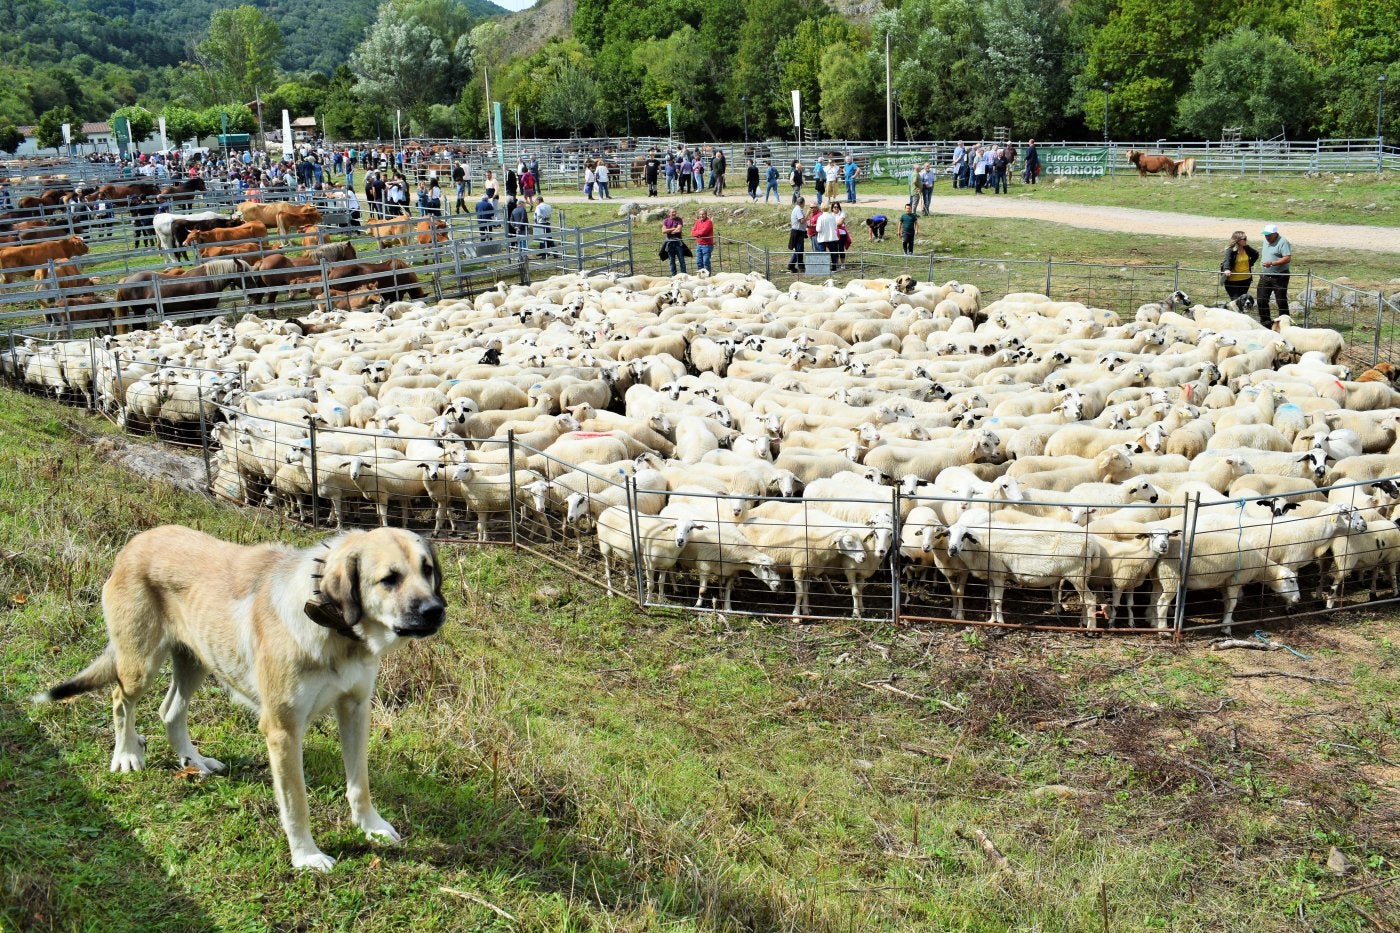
<point>603,186</point>
<point>670,184</point>
<point>773,190</point>
<point>702,258</point>
<point>851,190</point>
<point>928,196</point>
<point>820,185</point>
<point>674,251</point>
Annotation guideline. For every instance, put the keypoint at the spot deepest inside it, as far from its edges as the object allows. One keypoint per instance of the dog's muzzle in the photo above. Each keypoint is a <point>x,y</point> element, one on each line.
<point>427,616</point>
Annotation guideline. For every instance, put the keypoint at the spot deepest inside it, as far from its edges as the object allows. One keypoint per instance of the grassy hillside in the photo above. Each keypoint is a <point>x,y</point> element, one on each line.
<point>559,761</point>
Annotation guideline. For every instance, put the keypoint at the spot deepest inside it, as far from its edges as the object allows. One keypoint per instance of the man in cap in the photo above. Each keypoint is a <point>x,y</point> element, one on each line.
<point>1273,281</point>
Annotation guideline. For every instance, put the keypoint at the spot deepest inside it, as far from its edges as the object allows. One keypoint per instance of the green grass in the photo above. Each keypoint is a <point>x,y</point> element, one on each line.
<point>1367,199</point>
<point>582,766</point>
<point>1002,243</point>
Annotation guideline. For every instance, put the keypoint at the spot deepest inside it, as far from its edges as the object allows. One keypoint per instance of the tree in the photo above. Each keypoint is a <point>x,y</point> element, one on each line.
<point>570,99</point>
<point>1238,84</point>
<point>1025,48</point>
<point>240,53</point>
<point>181,123</point>
<point>399,63</point>
<point>676,72</point>
<point>48,133</point>
<point>1147,49</point>
<point>10,138</point>
<point>143,122</point>
<point>849,104</point>
<point>936,48</point>
<point>240,119</point>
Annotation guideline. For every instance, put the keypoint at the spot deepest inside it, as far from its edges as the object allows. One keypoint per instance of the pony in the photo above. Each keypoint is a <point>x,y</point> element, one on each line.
<point>1151,164</point>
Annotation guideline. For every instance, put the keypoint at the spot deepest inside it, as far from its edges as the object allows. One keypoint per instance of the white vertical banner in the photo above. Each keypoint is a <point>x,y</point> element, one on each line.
<point>797,109</point>
<point>67,134</point>
<point>164,143</point>
<point>286,135</point>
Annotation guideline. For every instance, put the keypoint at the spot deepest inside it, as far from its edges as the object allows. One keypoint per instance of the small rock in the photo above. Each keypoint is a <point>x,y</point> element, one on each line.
<point>627,208</point>
<point>547,595</point>
<point>740,211</point>
<point>1342,280</point>
<point>862,765</point>
<point>655,215</point>
<point>1337,863</point>
<point>1370,207</point>
<point>1291,201</point>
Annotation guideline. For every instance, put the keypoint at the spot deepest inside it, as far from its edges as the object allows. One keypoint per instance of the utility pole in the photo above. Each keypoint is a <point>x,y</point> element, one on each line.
<point>1107,89</point>
<point>889,97</point>
<point>486,74</point>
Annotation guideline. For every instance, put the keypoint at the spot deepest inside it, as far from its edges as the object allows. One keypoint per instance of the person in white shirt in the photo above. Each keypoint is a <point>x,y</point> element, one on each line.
<point>797,236</point>
<point>602,176</point>
<point>590,178</point>
<point>828,224</point>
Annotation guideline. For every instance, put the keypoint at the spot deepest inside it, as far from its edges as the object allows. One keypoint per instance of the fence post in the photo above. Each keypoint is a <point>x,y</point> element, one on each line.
<point>767,262</point>
<point>160,301</point>
<point>578,247</point>
<point>514,525</point>
<point>1380,320</point>
<point>896,597</point>
<point>1188,545</point>
<point>631,267</point>
<point>204,441</point>
<point>92,363</point>
<point>325,283</point>
<point>634,529</point>
<point>1048,264</point>
<point>1308,301</point>
<point>930,268</point>
<point>1176,276</point>
<point>315,490</point>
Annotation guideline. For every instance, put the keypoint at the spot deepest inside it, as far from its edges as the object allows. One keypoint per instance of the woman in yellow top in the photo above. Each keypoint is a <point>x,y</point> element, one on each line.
<point>1236,269</point>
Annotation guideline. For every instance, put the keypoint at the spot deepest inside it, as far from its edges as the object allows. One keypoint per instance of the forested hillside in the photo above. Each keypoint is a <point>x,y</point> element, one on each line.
<point>97,55</point>
<point>961,68</point>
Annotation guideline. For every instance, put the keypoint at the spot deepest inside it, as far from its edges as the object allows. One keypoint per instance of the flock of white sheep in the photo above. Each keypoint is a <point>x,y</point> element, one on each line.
<point>694,432</point>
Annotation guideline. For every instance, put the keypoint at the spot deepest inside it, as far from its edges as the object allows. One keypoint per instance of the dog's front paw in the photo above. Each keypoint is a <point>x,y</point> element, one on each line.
<point>205,765</point>
<point>123,761</point>
<point>377,829</point>
<point>314,860</point>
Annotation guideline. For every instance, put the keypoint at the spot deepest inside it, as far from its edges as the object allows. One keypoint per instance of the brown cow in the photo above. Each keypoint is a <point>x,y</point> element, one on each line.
<point>1186,168</point>
<point>248,230</point>
<point>438,232</point>
<point>284,215</point>
<point>228,249</point>
<point>1151,164</point>
<point>394,231</point>
<point>36,254</point>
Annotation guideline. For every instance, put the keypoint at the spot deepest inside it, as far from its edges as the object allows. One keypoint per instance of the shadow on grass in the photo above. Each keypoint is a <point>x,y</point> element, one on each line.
<point>67,864</point>
<point>536,838</point>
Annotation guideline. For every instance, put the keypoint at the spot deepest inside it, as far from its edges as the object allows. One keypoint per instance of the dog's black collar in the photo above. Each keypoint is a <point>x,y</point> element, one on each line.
<point>326,613</point>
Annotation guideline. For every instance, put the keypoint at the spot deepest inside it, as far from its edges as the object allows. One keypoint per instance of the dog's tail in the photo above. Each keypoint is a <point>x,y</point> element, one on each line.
<point>97,675</point>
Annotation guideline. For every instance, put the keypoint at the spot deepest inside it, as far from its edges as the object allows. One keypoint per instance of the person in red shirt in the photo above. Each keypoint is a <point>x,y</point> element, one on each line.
<point>704,232</point>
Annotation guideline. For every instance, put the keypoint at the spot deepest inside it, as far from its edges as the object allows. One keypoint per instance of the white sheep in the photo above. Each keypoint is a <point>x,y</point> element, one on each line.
<point>1041,556</point>
<point>659,540</point>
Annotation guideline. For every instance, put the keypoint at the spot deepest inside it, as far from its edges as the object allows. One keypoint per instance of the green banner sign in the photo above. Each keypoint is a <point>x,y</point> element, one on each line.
<point>500,136</point>
<point>1068,160</point>
<point>123,130</point>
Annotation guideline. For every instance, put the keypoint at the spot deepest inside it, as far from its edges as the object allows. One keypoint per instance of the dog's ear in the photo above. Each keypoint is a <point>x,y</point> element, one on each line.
<point>336,602</point>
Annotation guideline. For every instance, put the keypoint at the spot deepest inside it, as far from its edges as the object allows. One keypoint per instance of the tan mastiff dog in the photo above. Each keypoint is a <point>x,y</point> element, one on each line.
<point>290,633</point>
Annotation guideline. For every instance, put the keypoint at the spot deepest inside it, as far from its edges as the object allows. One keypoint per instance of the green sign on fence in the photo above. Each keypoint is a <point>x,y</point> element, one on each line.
<point>122,128</point>
<point>1067,160</point>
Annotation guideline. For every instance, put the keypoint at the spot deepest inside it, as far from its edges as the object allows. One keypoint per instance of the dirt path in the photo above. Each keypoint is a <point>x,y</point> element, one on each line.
<point>1096,217</point>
